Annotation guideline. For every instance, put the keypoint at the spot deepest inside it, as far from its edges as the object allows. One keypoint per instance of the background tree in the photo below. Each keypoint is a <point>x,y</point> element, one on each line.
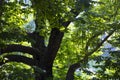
<point>81,27</point>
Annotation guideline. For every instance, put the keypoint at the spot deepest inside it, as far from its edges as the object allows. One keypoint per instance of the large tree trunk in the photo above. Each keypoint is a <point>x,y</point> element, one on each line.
<point>44,62</point>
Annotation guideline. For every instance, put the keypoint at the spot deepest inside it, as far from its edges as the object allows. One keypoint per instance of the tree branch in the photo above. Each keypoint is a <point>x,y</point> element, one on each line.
<point>101,43</point>
<point>19,48</point>
<point>73,67</point>
<point>91,39</point>
<point>55,40</point>
<point>70,73</point>
<point>56,37</point>
<point>18,58</point>
<point>54,44</point>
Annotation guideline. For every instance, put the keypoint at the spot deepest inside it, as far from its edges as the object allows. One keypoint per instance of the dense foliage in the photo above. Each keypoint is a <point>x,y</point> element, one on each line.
<point>59,39</point>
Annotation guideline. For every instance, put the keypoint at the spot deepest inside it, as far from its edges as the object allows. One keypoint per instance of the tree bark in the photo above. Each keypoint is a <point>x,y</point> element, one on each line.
<point>19,48</point>
<point>18,58</point>
<point>70,73</point>
<point>50,53</point>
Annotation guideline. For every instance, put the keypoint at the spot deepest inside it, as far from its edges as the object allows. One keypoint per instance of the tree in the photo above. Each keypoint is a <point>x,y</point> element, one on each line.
<point>83,21</point>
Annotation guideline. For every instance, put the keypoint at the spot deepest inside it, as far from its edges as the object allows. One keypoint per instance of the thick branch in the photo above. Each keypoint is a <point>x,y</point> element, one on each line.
<point>70,73</point>
<point>65,24</point>
<point>19,48</point>
<point>52,49</point>
<point>54,43</point>
<point>18,58</point>
<point>56,38</point>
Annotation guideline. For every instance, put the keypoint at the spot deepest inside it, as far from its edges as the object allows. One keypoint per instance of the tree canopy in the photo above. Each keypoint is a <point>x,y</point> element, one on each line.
<point>59,39</point>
